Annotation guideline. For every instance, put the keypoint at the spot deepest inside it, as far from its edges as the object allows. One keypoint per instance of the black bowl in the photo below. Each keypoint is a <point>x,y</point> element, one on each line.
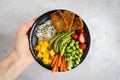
<point>33,40</point>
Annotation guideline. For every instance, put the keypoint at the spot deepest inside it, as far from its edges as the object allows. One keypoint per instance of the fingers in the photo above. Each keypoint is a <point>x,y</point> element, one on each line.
<point>28,25</point>
<point>25,28</point>
<point>36,18</point>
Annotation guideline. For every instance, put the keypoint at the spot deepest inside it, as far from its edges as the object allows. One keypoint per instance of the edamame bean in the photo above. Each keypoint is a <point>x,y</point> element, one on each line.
<point>77,46</point>
<point>75,56</point>
<point>68,56</point>
<point>74,48</point>
<point>79,55</point>
<point>71,44</point>
<point>77,52</point>
<point>68,47</point>
<point>72,53</point>
<point>69,50</point>
<point>77,62</point>
<point>80,50</point>
<point>77,43</point>
<point>73,41</point>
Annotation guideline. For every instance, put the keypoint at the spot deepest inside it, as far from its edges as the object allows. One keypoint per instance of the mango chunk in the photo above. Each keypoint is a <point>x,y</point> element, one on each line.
<point>39,55</point>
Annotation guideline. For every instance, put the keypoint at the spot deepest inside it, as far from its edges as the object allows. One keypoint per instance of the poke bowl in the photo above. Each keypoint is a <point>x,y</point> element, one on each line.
<point>59,40</point>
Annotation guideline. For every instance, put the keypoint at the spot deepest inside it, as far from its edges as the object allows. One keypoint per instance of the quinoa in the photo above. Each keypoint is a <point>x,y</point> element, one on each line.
<point>46,31</point>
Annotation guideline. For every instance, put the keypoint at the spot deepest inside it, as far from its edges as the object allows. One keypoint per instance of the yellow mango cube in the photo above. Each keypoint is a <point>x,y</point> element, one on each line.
<point>37,47</point>
<point>50,61</point>
<point>42,49</point>
<point>52,53</point>
<point>39,55</point>
<point>46,44</point>
<point>45,60</point>
<point>46,55</point>
<point>41,43</point>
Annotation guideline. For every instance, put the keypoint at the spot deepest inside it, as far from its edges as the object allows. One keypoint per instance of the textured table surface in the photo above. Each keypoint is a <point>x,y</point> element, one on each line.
<point>103,20</point>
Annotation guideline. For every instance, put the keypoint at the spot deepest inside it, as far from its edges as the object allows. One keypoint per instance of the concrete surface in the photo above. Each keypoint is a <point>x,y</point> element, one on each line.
<point>103,20</point>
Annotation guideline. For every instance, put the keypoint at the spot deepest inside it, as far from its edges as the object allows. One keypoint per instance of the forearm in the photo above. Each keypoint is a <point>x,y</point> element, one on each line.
<point>12,66</point>
<point>20,57</point>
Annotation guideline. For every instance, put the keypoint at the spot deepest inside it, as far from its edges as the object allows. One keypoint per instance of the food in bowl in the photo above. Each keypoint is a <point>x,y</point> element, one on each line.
<point>61,41</point>
<point>46,31</point>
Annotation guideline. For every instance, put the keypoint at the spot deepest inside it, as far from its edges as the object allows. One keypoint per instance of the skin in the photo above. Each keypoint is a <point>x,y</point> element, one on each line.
<point>20,56</point>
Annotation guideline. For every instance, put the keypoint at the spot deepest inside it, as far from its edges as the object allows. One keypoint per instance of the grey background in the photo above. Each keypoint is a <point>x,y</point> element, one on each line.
<point>103,20</point>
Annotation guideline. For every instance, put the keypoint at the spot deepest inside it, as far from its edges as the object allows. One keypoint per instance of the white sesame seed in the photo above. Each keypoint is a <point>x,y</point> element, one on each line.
<point>46,31</point>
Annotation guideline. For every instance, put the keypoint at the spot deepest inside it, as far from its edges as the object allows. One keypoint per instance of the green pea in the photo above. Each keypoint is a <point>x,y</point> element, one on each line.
<point>77,46</point>
<point>71,44</point>
<point>80,50</point>
<point>68,56</point>
<point>74,48</point>
<point>68,47</point>
<point>79,55</point>
<point>77,62</point>
<point>73,41</point>
<point>73,53</point>
<point>77,43</point>
<point>77,52</point>
<point>76,56</point>
<point>69,50</point>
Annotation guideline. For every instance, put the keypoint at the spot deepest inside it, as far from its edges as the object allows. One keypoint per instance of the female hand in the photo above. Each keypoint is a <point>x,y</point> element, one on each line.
<point>20,57</point>
<point>21,43</point>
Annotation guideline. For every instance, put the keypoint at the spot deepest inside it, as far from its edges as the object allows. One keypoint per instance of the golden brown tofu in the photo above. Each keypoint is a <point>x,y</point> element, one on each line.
<point>58,21</point>
<point>69,17</point>
<point>77,24</point>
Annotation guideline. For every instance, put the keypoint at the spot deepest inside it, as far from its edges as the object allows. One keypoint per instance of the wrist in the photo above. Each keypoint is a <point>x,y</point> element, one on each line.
<point>18,63</point>
<point>22,58</point>
<point>12,66</point>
